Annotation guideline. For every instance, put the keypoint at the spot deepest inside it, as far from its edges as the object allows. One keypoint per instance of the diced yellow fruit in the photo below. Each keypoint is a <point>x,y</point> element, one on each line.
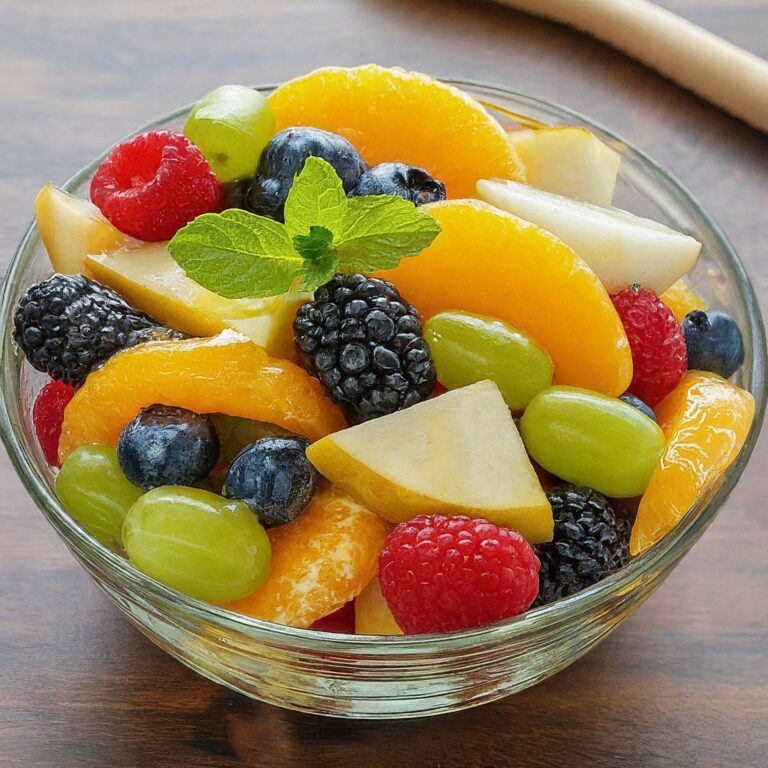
<point>492,263</point>
<point>149,279</point>
<point>372,614</point>
<point>568,161</point>
<point>705,421</point>
<point>71,228</point>
<point>457,454</point>
<point>320,561</point>
<point>682,299</point>
<point>226,374</point>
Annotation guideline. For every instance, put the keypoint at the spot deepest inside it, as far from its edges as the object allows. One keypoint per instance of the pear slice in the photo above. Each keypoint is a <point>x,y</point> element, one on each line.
<point>457,454</point>
<point>621,248</point>
<point>568,161</point>
<point>71,228</point>
<point>149,279</point>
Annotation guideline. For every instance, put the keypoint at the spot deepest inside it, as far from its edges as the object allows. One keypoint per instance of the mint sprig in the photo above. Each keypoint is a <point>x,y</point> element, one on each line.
<point>238,254</point>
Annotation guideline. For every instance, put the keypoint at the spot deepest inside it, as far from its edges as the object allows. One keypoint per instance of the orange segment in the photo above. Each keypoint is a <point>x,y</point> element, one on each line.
<point>705,421</point>
<point>225,374</point>
<point>392,114</point>
<point>319,562</point>
<point>492,263</point>
<point>682,299</point>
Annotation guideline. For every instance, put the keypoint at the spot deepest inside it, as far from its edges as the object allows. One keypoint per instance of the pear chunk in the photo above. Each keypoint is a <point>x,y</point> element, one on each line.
<point>621,249</point>
<point>568,161</point>
<point>457,454</point>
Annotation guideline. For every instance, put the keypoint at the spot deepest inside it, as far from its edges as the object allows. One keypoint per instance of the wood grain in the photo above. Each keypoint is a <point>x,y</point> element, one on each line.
<point>683,683</point>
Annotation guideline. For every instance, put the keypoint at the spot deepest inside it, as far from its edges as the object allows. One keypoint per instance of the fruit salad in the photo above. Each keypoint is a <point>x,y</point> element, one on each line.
<point>354,357</point>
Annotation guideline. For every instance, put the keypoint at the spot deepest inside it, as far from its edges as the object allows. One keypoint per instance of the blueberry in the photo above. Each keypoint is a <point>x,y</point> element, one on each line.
<point>714,342</point>
<point>274,478</point>
<point>636,402</point>
<point>167,446</point>
<point>284,157</point>
<point>407,181</point>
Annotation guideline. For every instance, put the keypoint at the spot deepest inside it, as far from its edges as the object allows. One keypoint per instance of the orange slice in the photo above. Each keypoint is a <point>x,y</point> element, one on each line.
<point>682,299</point>
<point>705,420</point>
<point>225,374</point>
<point>394,115</point>
<point>319,562</point>
<point>492,263</point>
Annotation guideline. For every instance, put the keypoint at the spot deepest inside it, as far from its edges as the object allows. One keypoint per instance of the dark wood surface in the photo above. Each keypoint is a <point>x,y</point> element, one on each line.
<point>684,682</point>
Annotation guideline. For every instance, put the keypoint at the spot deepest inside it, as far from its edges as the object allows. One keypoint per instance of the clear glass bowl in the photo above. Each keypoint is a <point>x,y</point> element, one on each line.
<point>371,677</point>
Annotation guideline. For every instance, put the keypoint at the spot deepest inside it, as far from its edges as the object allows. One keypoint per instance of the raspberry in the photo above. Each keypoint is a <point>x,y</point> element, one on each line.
<point>340,621</point>
<point>151,186</point>
<point>48,414</point>
<point>657,342</point>
<point>443,574</point>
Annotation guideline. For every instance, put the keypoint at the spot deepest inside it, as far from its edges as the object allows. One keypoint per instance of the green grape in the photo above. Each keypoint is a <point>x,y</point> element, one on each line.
<point>197,542</point>
<point>468,348</point>
<point>95,492</point>
<point>231,126</point>
<point>592,439</point>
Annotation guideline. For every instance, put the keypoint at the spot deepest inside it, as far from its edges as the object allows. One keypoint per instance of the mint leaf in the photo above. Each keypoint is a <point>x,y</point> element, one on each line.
<point>316,198</point>
<point>320,258</point>
<point>379,230</point>
<point>237,254</point>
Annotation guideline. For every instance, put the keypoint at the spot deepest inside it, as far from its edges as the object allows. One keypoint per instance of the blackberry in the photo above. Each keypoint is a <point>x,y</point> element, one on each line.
<point>590,542</point>
<point>68,325</point>
<point>365,345</point>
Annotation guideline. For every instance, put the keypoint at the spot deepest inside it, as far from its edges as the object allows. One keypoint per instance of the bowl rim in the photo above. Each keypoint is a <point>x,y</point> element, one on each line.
<point>663,554</point>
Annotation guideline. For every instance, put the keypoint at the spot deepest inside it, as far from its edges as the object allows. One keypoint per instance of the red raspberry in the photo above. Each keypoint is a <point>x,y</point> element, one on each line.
<point>659,357</point>
<point>442,574</point>
<point>342,620</point>
<point>48,414</point>
<point>151,186</point>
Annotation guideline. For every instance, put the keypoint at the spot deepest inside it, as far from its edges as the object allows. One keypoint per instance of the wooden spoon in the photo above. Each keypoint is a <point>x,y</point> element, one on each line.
<point>718,71</point>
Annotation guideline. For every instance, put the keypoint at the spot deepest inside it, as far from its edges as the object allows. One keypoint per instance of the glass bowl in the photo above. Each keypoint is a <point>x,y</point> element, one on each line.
<point>393,677</point>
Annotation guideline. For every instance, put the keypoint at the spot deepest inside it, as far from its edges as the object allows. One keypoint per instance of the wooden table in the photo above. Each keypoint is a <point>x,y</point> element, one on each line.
<point>684,682</point>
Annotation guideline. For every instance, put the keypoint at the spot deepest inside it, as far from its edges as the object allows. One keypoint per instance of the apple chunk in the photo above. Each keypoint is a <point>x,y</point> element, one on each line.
<point>622,249</point>
<point>71,228</point>
<point>457,454</point>
<point>568,161</point>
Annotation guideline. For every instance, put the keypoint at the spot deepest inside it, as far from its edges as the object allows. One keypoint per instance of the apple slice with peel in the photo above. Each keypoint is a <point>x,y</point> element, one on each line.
<point>622,249</point>
<point>71,228</point>
<point>150,280</point>
<point>568,161</point>
<point>457,454</point>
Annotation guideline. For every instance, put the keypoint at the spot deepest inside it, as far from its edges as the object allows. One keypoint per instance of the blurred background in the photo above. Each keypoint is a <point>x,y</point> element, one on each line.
<point>682,683</point>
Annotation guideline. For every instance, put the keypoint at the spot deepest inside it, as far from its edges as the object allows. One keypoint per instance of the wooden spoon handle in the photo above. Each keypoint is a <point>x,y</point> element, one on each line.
<point>715,69</point>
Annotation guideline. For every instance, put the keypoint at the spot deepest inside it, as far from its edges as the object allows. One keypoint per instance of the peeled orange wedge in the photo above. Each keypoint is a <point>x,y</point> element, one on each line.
<point>682,299</point>
<point>320,561</point>
<point>492,263</point>
<point>395,115</point>
<point>705,420</point>
<point>225,374</point>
